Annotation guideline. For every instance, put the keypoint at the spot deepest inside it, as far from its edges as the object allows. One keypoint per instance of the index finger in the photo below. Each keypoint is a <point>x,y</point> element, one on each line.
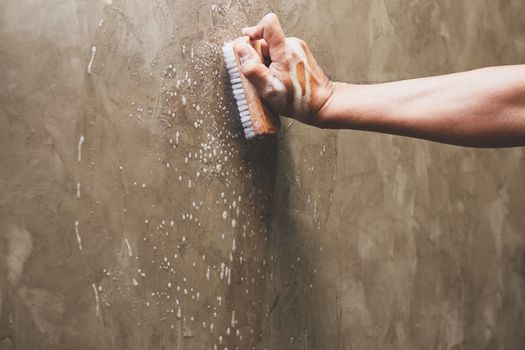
<point>271,31</point>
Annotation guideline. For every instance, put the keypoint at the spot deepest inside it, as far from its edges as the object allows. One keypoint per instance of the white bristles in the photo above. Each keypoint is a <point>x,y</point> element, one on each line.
<point>238,90</point>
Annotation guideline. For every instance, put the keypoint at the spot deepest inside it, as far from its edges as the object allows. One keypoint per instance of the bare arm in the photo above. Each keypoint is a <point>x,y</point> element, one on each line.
<point>479,108</point>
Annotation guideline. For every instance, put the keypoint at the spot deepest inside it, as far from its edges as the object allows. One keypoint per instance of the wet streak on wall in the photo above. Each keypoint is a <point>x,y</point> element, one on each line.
<point>134,215</point>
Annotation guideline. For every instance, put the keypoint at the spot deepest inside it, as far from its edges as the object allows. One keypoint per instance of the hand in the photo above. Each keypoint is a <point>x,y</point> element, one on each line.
<point>293,84</point>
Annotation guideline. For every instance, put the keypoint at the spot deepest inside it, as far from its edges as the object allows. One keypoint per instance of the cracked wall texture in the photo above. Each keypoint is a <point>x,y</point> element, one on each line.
<point>134,215</point>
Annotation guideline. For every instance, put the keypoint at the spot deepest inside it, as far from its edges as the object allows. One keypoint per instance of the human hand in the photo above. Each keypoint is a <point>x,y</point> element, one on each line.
<point>292,84</point>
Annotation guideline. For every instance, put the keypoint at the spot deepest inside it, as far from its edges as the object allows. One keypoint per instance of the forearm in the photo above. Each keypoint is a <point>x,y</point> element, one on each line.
<point>480,108</point>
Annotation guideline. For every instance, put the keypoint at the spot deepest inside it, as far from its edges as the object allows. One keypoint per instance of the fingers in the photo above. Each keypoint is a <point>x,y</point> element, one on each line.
<point>271,31</point>
<point>252,67</point>
<point>265,48</point>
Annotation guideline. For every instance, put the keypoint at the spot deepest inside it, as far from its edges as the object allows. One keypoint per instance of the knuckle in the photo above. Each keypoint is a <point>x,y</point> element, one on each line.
<point>273,90</point>
<point>271,18</point>
<point>249,67</point>
<point>268,92</point>
<point>297,41</point>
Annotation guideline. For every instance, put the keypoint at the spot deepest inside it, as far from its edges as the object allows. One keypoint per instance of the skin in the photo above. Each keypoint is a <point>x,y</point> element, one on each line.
<point>478,108</point>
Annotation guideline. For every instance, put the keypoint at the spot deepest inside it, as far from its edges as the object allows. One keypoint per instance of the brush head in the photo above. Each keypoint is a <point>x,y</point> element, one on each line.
<point>256,120</point>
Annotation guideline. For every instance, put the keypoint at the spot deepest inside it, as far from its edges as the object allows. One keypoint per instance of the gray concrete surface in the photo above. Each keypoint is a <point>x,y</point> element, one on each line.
<point>134,216</point>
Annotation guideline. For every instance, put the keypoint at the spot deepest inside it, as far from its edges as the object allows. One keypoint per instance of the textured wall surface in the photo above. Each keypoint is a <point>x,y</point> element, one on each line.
<point>134,216</point>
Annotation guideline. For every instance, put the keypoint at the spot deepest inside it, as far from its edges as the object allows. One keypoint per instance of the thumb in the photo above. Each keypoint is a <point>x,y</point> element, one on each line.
<point>252,67</point>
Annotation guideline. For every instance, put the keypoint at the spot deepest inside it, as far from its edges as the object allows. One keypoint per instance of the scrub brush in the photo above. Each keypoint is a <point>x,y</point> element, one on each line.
<point>256,120</point>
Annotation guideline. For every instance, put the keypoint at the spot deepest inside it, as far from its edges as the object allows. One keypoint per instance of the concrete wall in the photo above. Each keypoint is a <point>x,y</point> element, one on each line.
<point>134,215</point>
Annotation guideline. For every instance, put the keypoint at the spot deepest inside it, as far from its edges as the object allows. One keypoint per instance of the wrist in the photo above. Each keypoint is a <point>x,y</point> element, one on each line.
<point>328,112</point>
